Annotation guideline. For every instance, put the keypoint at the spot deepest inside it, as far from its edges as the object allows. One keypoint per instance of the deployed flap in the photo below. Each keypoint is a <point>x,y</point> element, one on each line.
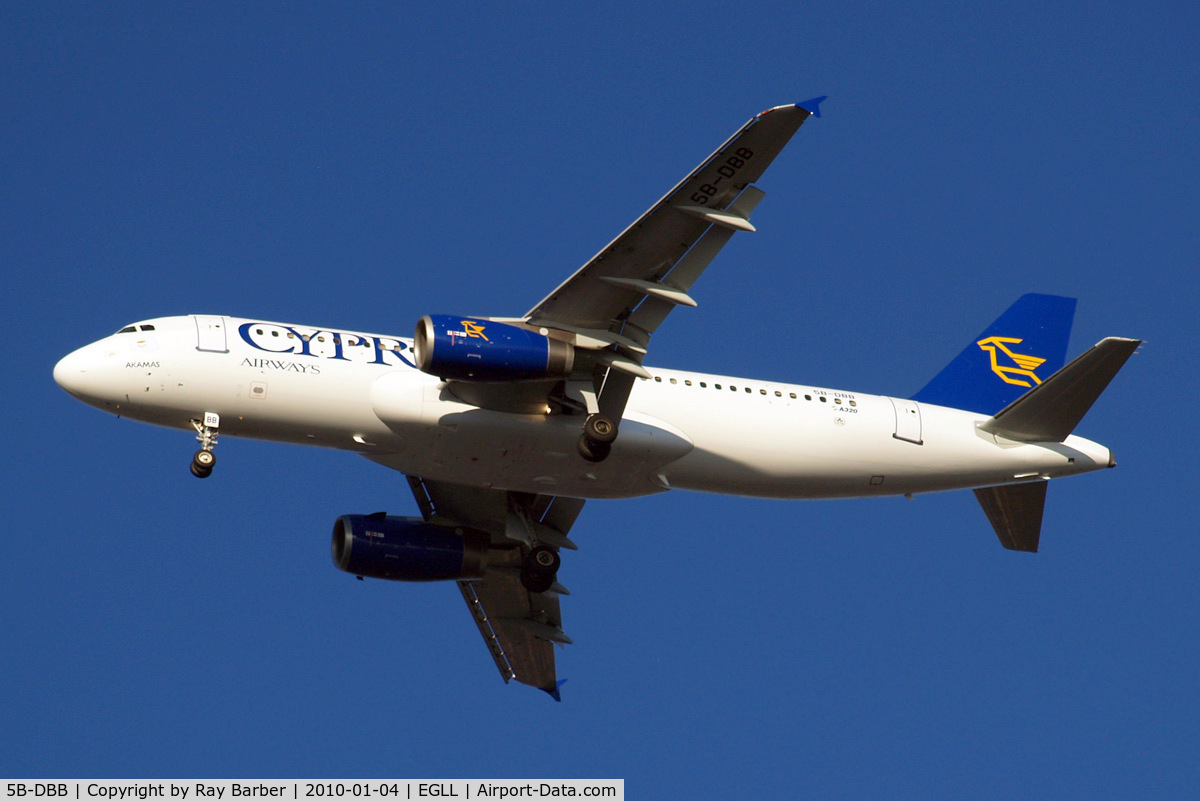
<point>518,627</point>
<point>646,251</point>
<point>1050,411</point>
<point>1015,512</point>
<point>506,614</point>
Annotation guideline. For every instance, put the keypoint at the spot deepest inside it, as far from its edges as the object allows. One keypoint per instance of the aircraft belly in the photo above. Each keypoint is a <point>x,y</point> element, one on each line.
<point>787,452</point>
<point>436,436</point>
<point>814,452</point>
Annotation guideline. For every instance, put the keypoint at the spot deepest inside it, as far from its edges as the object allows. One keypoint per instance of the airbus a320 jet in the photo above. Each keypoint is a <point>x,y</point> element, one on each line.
<point>504,426</point>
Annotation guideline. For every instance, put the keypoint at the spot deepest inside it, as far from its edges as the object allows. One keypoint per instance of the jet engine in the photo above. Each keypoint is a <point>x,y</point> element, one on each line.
<point>406,549</point>
<point>471,349</point>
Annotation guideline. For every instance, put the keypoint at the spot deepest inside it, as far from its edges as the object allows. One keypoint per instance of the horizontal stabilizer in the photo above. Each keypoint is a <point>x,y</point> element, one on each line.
<point>1015,512</point>
<point>1050,411</point>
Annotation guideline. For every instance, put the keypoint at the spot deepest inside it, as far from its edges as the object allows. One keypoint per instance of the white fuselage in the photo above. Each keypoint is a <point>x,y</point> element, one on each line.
<point>359,392</point>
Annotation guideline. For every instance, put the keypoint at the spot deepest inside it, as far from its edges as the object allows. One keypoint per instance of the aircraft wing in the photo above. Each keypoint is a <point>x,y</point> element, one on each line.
<point>519,628</point>
<point>627,289</point>
<point>612,304</point>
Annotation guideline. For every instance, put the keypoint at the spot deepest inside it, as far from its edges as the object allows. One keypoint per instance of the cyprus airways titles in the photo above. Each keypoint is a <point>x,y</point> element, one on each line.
<point>305,341</point>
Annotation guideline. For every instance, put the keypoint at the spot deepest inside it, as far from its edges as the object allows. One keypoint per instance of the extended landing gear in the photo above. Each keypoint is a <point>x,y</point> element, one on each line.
<point>202,464</point>
<point>540,569</point>
<point>599,432</point>
<point>206,435</point>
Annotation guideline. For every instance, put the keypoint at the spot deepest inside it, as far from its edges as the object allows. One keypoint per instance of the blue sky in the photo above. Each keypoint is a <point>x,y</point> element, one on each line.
<point>360,166</point>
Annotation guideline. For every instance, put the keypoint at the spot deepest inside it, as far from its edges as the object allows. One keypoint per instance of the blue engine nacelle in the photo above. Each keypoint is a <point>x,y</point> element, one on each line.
<point>471,349</point>
<point>406,549</point>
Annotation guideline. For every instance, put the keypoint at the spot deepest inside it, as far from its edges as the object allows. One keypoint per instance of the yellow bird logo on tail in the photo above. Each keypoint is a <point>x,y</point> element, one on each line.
<point>1025,365</point>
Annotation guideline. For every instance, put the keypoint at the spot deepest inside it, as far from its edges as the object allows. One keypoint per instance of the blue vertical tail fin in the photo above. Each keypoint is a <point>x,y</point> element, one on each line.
<point>1025,346</point>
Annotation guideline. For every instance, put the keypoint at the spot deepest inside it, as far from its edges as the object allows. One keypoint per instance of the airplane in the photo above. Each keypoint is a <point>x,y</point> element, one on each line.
<point>505,426</point>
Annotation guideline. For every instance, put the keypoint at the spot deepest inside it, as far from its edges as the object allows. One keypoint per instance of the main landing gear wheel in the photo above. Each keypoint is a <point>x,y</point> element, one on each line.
<point>202,463</point>
<point>599,431</point>
<point>599,428</point>
<point>540,569</point>
<point>593,451</point>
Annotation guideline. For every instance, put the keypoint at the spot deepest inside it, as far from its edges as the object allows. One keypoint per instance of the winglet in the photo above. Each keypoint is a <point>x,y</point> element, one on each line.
<point>556,691</point>
<point>813,106</point>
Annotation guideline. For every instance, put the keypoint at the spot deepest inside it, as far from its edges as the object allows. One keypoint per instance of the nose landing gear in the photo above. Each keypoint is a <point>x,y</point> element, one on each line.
<point>206,435</point>
<point>202,464</point>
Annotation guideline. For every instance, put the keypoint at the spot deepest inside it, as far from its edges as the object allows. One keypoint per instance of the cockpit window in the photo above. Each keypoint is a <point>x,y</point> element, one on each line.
<point>129,329</point>
<point>145,328</point>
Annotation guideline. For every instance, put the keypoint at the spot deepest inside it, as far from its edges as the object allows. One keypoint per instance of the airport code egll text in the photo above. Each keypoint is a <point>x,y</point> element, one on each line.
<point>228,789</point>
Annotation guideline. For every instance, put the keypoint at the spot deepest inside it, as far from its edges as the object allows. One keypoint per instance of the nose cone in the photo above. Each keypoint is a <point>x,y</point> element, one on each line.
<point>92,374</point>
<point>71,372</point>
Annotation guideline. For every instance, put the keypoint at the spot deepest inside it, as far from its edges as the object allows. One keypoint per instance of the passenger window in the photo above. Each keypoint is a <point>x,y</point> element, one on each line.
<point>702,384</point>
<point>778,394</point>
<point>808,397</point>
<point>687,382</point>
<point>748,389</point>
<point>792,395</point>
<point>673,381</point>
<point>716,386</point>
<point>764,392</point>
<point>658,378</point>
<point>853,403</point>
<point>824,399</point>
<point>732,388</point>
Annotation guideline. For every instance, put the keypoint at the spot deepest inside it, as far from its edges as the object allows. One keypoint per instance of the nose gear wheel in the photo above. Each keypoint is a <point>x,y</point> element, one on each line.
<point>202,463</point>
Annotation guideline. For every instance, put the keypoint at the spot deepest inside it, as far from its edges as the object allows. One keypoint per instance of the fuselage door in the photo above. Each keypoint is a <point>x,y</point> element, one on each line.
<point>210,333</point>
<point>908,420</point>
